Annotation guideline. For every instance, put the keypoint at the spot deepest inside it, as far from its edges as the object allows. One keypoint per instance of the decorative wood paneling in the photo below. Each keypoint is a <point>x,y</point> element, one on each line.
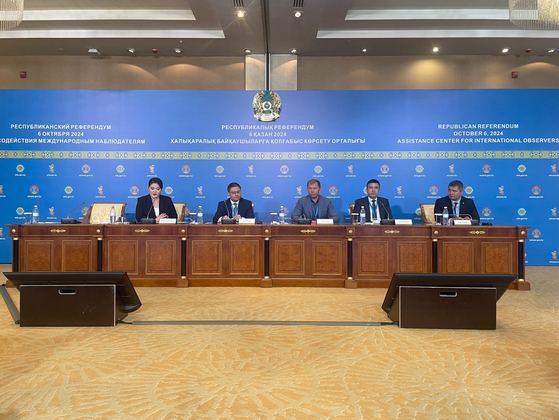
<point>372,259</point>
<point>161,257</point>
<point>206,257</point>
<point>290,258</point>
<point>77,256</point>
<point>497,257</point>
<point>122,255</point>
<point>38,256</point>
<point>457,257</point>
<point>327,258</point>
<point>244,257</point>
<point>235,255</point>
<point>412,257</point>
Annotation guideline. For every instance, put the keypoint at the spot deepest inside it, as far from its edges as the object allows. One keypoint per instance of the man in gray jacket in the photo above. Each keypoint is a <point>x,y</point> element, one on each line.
<point>314,206</point>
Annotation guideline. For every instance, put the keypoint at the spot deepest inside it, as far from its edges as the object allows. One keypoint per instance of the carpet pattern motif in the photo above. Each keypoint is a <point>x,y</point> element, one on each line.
<point>286,372</point>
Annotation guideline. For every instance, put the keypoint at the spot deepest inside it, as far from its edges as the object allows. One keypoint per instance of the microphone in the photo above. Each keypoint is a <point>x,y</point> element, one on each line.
<point>230,220</point>
<point>387,213</point>
<point>67,220</point>
<point>146,220</point>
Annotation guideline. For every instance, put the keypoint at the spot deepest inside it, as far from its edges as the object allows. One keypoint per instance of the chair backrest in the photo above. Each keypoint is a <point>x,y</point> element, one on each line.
<point>351,208</point>
<point>180,208</point>
<point>100,213</point>
<point>428,214</point>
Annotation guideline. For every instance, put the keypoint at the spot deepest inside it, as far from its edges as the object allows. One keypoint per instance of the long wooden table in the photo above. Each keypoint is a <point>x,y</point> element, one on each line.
<point>348,256</point>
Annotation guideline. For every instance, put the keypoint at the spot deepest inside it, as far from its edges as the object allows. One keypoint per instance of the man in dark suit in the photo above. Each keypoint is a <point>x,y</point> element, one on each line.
<point>376,208</point>
<point>234,207</point>
<point>314,206</point>
<point>458,207</point>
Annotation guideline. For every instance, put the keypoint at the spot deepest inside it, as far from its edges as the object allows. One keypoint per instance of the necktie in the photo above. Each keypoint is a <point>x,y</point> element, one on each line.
<point>235,210</point>
<point>455,205</point>
<point>373,209</point>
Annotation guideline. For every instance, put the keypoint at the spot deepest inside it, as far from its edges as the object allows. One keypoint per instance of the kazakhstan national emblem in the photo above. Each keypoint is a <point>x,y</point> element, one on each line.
<point>554,212</point>
<point>266,105</point>
<point>554,255</point>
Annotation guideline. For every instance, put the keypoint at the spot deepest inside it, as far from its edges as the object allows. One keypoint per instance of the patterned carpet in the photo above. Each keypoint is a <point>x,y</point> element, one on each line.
<point>286,372</point>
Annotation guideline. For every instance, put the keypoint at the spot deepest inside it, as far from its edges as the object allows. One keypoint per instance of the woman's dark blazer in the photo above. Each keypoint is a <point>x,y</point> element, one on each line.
<point>144,206</point>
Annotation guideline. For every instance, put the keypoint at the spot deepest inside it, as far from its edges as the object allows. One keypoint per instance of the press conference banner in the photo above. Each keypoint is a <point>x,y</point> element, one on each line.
<point>61,147</point>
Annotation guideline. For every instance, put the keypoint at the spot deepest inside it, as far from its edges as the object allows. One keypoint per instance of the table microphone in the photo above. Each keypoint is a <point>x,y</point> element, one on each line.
<point>387,214</point>
<point>147,220</point>
<point>67,220</point>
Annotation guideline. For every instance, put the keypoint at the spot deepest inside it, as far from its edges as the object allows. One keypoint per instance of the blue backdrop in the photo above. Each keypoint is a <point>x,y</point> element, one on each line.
<point>62,147</point>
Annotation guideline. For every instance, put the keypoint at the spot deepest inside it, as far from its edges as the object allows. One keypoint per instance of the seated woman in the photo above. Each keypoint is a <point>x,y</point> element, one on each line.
<point>154,205</point>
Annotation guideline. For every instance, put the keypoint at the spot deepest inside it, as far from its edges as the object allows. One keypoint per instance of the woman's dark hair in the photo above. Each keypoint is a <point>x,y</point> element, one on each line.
<point>156,181</point>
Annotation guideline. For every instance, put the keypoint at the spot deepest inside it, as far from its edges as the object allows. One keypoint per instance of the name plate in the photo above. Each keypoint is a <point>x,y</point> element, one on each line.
<point>324,221</point>
<point>167,221</point>
<point>403,221</point>
<point>247,221</point>
<point>462,222</point>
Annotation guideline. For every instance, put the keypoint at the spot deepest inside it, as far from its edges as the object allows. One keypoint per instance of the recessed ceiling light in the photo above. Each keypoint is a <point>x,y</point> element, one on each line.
<point>178,50</point>
<point>364,50</point>
<point>552,50</point>
<point>248,50</point>
<point>241,13</point>
<point>505,50</point>
<point>435,49</point>
<point>131,50</point>
<point>298,13</point>
<point>293,50</point>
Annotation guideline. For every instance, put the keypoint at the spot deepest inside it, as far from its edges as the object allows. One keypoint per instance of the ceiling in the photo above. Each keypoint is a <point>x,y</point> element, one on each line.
<point>326,28</point>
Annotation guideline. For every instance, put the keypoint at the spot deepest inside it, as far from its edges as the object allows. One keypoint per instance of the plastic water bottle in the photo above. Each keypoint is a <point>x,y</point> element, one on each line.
<point>362,216</point>
<point>113,215</point>
<point>35,216</point>
<point>446,221</point>
<point>200,216</point>
<point>282,216</point>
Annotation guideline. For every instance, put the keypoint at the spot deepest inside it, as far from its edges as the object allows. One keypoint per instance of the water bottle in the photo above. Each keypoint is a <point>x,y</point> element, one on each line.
<point>200,216</point>
<point>446,221</point>
<point>35,217</point>
<point>282,216</point>
<point>362,216</point>
<point>113,215</point>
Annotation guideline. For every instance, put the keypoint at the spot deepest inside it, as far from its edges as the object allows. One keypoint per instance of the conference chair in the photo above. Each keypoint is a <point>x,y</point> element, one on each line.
<point>181,209</point>
<point>100,213</point>
<point>428,214</point>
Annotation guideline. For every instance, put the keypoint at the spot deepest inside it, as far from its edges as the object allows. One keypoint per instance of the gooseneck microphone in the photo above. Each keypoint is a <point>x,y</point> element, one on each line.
<point>387,213</point>
<point>146,220</point>
<point>67,220</point>
<point>231,220</point>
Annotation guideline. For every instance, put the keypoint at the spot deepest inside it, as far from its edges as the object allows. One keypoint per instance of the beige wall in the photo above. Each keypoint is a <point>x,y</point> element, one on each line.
<point>313,73</point>
<point>165,73</point>
<point>427,72</point>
